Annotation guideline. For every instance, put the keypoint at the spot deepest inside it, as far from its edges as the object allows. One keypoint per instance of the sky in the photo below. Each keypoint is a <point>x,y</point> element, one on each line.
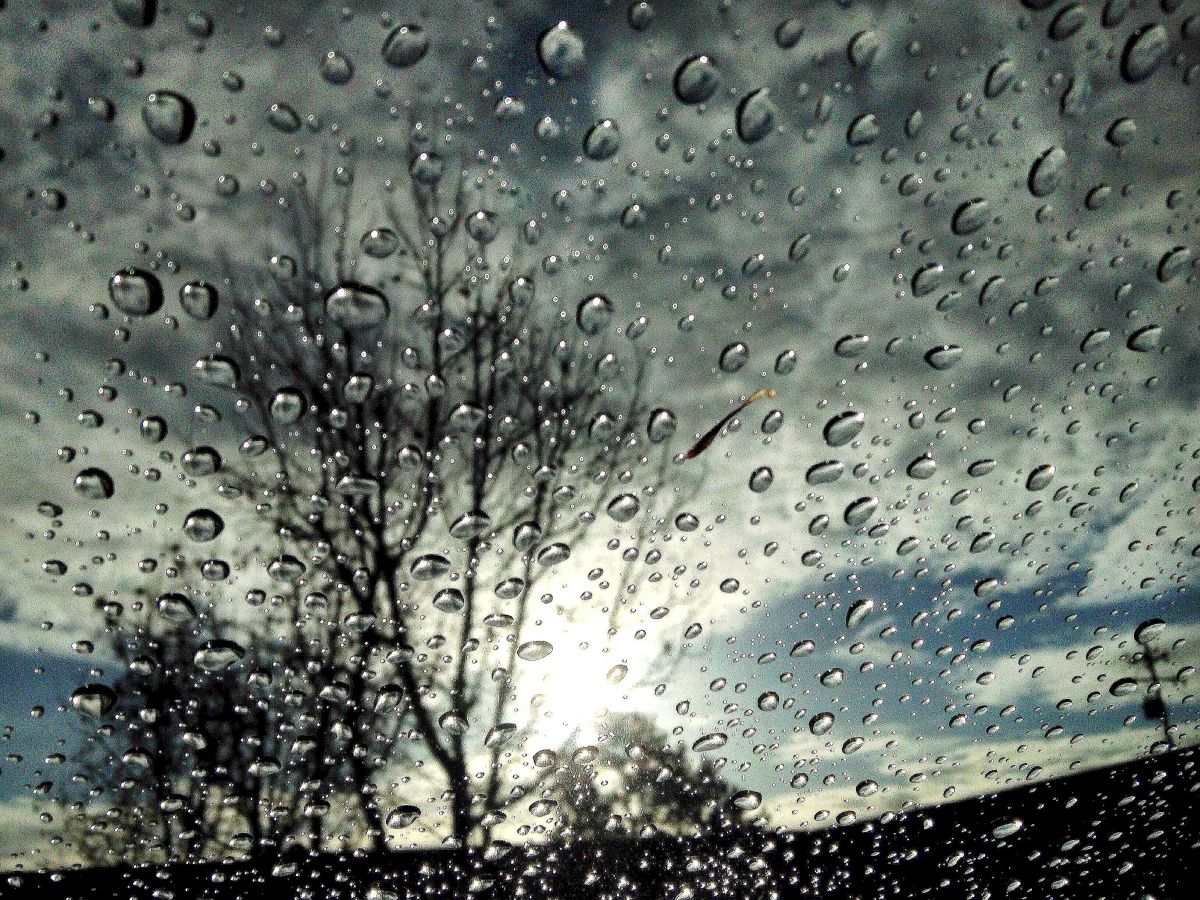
<point>848,252</point>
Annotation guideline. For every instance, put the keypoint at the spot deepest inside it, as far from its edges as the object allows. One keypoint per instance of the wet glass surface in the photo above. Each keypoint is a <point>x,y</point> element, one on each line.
<point>603,449</point>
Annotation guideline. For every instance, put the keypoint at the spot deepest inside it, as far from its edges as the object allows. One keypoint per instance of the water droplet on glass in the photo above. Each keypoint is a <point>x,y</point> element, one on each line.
<point>136,292</point>
<point>1046,173</point>
<point>844,427</point>
<point>713,741</point>
<point>93,700</point>
<point>406,45</point>
<point>1143,52</point>
<point>218,655</point>
<point>429,566</point>
<point>623,508</point>
<point>696,79</point>
<point>203,525</point>
<point>355,306</point>
<point>532,651</point>
<point>860,510</point>
<point>198,299</point>
<point>863,130</point>
<point>168,116</point>
<point>94,484</point>
<point>602,141</point>
<point>593,313</point>
<point>560,51</point>
<point>756,115</point>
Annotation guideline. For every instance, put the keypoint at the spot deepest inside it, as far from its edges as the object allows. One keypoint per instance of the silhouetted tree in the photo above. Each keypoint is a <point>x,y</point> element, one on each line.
<point>424,438</point>
<point>637,782</point>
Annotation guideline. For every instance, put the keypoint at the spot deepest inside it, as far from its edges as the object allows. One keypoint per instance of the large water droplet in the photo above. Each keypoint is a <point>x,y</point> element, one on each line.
<point>560,51</point>
<point>712,741</point>
<point>696,79</point>
<point>136,292</point>
<point>203,525</point>
<point>756,116</point>
<point>94,700</point>
<point>844,427</point>
<point>661,425</point>
<point>168,116</point>
<point>532,651</point>
<point>860,510</point>
<point>623,507</point>
<point>602,140</point>
<point>863,130</point>
<point>354,306</point>
<point>218,655</point>
<point>198,299</point>
<point>406,45</point>
<point>95,484</point>
<point>1143,52</point>
<point>1047,171</point>
<point>593,313</point>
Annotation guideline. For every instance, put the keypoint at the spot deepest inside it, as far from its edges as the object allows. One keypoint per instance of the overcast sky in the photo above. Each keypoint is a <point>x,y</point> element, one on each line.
<point>1045,600</point>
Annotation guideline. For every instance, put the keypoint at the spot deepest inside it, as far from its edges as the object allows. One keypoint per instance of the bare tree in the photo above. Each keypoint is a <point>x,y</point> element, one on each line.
<point>425,437</point>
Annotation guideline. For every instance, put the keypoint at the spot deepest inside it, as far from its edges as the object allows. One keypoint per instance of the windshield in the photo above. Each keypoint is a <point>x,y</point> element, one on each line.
<point>605,449</point>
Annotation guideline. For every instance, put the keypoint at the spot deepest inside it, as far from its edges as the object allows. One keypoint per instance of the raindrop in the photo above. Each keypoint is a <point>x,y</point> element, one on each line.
<point>287,406</point>
<point>532,651</point>
<point>1003,828</point>
<point>863,48</point>
<point>734,356</point>
<point>402,816</point>
<point>999,77</point>
<point>602,141</point>
<point>95,484</point>
<point>623,507</point>
<point>860,510</point>
<point>696,79</point>
<point>714,741</point>
<point>203,525</point>
<point>198,299</point>
<point>922,467</point>
<point>1143,52</point>
<point>825,472</point>
<point>429,566</point>
<point>970,216</point>
<point>354,306</point>
<point>560,51</point>
<point>593,314</point>
<point>858,612</point>
<point>336,68</point>
<point>1145,339</point>
<point>944,357</point>
<point>1046,173</point>
<point>405,46</point>
<point>136,292</point>
<point>863,130</point>
<point>761,479</point>
<point>1149,630</point>
<point>756,115</point>
<point>1172,263</point>
<point>661,425</point>
<point>851,346</point>
<point>821,723</point>
<point>844,427</point>
<point>168,116</point>
<point>1040,477</point>
<point>746,800</point>
<point>218,655</point>
<point>93,700</point>
<point>1123,687</point>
